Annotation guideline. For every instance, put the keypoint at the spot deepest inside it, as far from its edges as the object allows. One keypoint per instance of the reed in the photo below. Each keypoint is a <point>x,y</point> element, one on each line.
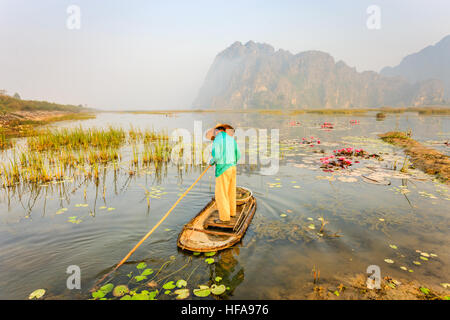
<point>55,155</point>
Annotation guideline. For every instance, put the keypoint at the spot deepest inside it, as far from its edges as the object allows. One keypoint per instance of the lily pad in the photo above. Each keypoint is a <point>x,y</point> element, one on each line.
<point>140,278</point>
<point>147,272</point>
<point>204,291</point>
<point>37,294</point>
<point>141,265</point>
<point>169,285</point>
<point>181,283</point>
<point>218,279</point>
<point>217,289</point>
<point>209,260</point>
<point>98,294</point>
<point>120,290</point>
<point>140,296</point>
<point>127,297</point>
<point>107,288</point>
<point>182,294</point>
<point>210,254</point>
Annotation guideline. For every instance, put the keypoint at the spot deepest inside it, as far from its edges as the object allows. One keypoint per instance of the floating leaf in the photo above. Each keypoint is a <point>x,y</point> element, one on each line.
<point>182,293</point>
<point>217,289</point>
<point>196,253</point>
<point>169,285</point>
<point>425,254</point>
<point>393,246</point>
<point>218,279</point>
<point>388,261</point>
<point>140,296</point>
<point>107,288</point>
<point>202,292</point>
<point>181,283</point>
<point>404,268</point>
<point>152,295</point>
<point>167,292</point>
<point>417,263</point>
<point>445,285</point>
<point>140,278</point>
<point>36,294</point>
<point>147,272</point>
<point>210,254</point>
<point>120,290</point>
<point>209,260</point>
<point>127,297</point>
<point>423,258</point>
<point>283,215</point>
<point>311,226</point>
<point>433,255</point>
<point>98,294</point>
<point>141,265</point>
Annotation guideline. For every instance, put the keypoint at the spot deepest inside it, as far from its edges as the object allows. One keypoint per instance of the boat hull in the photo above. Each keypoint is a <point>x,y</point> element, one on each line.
<point>198,236</point>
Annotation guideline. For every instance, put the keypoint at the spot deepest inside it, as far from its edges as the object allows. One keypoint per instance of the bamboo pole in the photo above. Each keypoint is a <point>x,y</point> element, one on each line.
<point>151,231</point>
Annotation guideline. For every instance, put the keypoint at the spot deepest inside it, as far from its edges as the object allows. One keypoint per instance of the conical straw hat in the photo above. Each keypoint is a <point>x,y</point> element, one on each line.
<point>228,128</point>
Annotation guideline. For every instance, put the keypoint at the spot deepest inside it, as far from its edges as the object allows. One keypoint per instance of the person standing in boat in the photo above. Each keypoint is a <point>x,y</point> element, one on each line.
<point>225,155</point>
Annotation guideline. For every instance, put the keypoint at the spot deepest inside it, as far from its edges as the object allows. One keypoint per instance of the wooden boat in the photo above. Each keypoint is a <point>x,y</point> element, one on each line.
<point>203,234</point>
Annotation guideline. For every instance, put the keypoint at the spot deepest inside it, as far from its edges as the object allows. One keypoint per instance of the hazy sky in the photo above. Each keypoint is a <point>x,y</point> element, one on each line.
<point>143,54</point>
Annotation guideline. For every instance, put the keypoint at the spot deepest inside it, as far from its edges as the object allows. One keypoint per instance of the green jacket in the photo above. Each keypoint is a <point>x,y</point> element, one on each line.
<point>225,152</point>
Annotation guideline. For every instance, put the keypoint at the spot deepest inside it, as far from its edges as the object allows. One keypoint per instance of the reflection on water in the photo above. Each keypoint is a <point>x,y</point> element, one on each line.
<point>44,229</point>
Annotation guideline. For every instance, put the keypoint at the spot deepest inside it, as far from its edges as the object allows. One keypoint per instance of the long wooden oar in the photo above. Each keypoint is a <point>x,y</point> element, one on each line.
<point>153,229</point>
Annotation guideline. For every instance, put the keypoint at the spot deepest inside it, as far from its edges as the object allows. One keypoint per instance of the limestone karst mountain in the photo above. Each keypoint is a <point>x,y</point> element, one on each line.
<point>254,75</point>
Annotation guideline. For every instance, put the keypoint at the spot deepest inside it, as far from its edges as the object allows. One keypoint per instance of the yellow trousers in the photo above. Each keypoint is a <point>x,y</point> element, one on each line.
<point>226,194</point>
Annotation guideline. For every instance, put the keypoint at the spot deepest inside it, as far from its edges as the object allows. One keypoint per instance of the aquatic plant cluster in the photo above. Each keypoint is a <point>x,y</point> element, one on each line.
<point>342,158</point>
<point>145,283</point>
<point>327,125</point>
<point>311,141</point>
<point>62,154</point>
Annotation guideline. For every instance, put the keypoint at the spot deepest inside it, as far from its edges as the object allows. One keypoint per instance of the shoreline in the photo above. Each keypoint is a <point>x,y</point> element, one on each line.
<point>426,159</point>
<point>19,122</point>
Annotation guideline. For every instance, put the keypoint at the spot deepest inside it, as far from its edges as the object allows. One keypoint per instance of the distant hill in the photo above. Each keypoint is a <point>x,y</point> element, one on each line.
<point>254,75</point>
<point>433,62</point>
<point>15,104</point>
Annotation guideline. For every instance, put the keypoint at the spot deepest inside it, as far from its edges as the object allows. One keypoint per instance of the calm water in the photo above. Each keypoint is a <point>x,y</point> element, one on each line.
<point>274,260</point>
